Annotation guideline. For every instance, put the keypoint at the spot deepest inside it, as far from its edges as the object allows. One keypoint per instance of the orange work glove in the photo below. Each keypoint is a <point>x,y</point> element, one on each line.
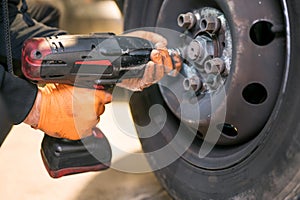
<point>161,63</point>
<point>65,111</point>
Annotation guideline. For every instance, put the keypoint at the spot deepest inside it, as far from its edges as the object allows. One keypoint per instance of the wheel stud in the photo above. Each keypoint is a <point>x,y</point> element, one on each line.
<point>187,20</point>
<point>193,83</point>
<point>214,66</point>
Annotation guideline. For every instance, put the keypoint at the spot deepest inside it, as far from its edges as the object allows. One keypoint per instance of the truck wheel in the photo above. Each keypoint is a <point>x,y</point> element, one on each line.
<point>257,152</point>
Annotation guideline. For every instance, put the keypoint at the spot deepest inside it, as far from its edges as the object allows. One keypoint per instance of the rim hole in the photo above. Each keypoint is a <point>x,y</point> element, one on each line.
<point>261,33</point>
<point>228,130</point>
<point>255,93</point>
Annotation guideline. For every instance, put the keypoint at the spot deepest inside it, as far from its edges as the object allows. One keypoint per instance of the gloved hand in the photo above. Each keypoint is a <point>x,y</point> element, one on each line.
<point>65,111</point>
<point>161,63</point>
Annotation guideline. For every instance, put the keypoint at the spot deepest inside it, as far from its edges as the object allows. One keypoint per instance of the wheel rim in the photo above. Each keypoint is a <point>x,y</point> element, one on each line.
<point>252,90</point>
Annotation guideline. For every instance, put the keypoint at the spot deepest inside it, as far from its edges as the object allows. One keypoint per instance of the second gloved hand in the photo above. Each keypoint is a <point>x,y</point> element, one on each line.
<point>161,63</point>
<point>65,111</point>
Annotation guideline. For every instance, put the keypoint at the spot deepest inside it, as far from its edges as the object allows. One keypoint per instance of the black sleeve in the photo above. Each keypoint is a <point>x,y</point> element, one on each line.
<point>18,96</point>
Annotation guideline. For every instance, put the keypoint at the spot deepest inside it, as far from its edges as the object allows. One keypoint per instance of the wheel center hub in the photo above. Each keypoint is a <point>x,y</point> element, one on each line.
<point>216,94</point>
<point>209,54</point>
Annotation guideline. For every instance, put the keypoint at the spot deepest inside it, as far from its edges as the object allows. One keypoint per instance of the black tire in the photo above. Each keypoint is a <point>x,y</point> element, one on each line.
<point>271,170</point>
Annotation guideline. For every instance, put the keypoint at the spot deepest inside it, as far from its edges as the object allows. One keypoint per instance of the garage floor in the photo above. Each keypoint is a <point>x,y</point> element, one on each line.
<point>22,173</point>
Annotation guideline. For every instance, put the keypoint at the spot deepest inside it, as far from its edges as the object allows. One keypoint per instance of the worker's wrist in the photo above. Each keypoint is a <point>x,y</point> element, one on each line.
<point>33,117</point>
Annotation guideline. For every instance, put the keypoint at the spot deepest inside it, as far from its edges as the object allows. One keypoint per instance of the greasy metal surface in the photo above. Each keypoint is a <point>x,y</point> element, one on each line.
<point>23,175</point>
<point>209,49</point>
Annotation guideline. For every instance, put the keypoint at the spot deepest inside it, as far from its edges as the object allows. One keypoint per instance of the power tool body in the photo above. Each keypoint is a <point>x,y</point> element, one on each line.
<point>93,61</point>
<point>85,60</point>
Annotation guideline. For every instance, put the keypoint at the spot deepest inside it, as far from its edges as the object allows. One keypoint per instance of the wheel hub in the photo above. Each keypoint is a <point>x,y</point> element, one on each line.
<point>209,53</point>
<point>229,53</point>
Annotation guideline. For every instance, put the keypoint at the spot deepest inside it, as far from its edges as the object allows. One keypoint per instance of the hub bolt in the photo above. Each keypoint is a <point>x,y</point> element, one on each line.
<point>187,20</point>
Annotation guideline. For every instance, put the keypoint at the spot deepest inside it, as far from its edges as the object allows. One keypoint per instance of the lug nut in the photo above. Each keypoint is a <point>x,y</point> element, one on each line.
<point>214,66</point>
<point>199,50</point>
<point>195,50</point>
<point>210,24</point>
<point>192,83</point>
<point>187,20</point>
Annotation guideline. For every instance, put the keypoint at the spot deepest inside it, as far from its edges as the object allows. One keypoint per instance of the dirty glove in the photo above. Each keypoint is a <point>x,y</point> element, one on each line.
<point>65,111</point>
<point>161,63</point>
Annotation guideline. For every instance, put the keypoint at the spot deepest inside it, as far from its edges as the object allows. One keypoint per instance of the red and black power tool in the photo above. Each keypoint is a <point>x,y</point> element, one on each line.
<point>93,61</point>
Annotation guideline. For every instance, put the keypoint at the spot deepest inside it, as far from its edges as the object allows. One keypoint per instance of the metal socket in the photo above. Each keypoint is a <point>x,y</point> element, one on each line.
<point>214,66</point>
<point>210,24</point>
<point>192,83</point>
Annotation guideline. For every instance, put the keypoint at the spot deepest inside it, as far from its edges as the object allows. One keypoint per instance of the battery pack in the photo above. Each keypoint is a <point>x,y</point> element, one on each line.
<point>65,157</point>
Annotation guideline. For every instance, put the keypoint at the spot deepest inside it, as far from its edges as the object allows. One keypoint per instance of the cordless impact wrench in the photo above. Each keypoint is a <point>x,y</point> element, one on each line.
<point>93,61</point>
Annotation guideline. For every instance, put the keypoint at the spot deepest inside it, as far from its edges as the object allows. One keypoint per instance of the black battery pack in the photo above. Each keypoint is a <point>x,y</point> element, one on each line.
<point>65,157</point>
